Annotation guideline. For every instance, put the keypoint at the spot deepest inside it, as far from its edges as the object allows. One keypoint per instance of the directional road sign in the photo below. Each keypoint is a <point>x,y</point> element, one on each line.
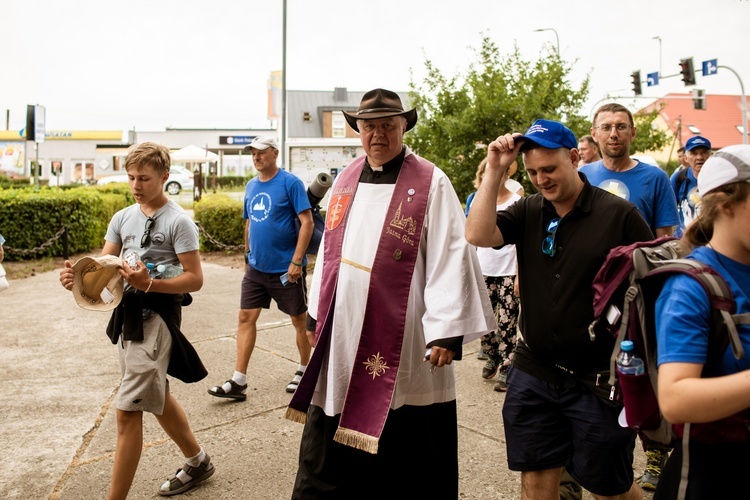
<point>710,67</point>
<point>652,79</point>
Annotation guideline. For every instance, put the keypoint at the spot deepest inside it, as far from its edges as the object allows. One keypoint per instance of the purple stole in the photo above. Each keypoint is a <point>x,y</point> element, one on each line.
<point>373,378</point>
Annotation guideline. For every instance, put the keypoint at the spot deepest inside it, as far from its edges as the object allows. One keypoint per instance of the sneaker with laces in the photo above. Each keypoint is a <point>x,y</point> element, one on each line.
<point>655,460</point>
<point>490,369</point>
<point>187,477</point>
<point>502,381</point>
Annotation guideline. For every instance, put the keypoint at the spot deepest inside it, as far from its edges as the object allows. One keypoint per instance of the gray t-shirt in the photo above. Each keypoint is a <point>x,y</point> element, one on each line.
<point>174,232</point>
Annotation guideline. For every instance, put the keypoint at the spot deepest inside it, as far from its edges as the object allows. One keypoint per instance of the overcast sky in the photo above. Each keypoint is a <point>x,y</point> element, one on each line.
<point>151,64</point>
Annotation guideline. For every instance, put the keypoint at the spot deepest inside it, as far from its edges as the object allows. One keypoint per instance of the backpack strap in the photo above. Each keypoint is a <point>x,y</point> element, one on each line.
<point>685,466</point>
<point>722,304</point>
<point>631,294</point>
<point>681,178</point>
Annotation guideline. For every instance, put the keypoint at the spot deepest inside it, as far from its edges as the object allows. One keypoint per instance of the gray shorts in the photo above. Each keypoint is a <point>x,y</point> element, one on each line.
<point>143,365</point>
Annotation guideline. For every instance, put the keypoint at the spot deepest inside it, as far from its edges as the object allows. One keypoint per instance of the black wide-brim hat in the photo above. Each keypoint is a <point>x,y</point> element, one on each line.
<point>381,103</point>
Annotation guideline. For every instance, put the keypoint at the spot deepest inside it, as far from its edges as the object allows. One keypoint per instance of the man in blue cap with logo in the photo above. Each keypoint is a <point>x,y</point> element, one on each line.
<point>685,181</point>
<point>557,412</point>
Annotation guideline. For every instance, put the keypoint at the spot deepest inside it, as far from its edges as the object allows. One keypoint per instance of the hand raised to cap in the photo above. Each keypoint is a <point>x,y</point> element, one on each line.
<point>503,151</point>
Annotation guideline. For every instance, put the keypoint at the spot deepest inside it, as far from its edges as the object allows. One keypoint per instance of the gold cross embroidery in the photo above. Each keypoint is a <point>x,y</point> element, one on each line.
<point>376,365</point>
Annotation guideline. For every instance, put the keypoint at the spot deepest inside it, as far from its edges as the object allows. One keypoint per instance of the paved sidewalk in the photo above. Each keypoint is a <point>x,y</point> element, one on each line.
<point>59,376</point>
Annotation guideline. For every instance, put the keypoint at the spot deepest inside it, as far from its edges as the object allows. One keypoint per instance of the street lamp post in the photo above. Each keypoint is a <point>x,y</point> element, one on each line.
<point>744,104</point>
<point>283,88</point>
<point>557,38</point>
<point>657,37</point>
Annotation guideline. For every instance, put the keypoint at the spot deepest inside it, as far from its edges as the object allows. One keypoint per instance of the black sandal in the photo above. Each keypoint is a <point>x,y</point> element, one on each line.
<point>292,386</point>
<point>237,391</point>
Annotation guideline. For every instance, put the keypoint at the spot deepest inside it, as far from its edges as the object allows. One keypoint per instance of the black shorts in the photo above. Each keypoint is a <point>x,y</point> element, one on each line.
<point>259,288</point>
<point>549,426</point>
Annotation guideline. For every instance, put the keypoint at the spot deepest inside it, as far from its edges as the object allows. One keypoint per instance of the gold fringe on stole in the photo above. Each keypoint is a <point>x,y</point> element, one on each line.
<point>357,440</point>
<point>295,415</point>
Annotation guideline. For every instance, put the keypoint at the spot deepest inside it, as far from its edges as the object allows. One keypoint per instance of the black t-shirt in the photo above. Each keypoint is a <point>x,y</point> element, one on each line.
<point>556,294</point>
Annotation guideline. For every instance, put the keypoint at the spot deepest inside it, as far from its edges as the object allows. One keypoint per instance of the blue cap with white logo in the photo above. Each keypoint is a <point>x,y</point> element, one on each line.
<point>551,135</point>
<point>697,141</point>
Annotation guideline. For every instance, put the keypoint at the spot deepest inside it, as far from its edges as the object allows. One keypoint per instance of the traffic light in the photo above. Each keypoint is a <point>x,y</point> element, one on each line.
<point>699,99</point>
<point>30,123</point>
<point>688,73</point>
<point>636,76</point>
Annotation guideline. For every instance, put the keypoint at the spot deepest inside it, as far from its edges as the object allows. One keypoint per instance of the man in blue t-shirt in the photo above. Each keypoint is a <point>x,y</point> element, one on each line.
<point>276,261</point>
<point>648,188</point>
<point>645,186</point>
<point>685,180</point>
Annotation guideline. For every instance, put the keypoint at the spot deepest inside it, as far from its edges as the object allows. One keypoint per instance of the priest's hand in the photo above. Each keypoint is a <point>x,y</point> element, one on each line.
<point>440,356</point>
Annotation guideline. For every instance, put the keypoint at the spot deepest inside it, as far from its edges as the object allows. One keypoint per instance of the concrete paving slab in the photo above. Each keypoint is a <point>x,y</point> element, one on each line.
<point>59,375</point>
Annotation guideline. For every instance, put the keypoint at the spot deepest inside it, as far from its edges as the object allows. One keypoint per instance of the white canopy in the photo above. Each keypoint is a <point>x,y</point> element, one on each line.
<point>193,153</point>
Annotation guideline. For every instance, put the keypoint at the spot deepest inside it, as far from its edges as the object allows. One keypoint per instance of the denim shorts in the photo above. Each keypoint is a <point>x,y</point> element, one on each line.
<point>549,426</point>
<point>259,288</point>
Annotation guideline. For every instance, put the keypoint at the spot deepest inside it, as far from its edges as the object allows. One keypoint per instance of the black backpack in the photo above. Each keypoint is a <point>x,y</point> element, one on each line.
<point>315,193</point>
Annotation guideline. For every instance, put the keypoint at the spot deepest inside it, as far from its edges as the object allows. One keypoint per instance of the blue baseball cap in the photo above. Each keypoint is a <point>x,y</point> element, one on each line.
<point>551,135</point>
<point>697,141</point>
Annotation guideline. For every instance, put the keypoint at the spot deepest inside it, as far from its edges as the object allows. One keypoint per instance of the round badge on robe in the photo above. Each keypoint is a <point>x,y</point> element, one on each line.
<point>410,192</point>
<point>397,254</point>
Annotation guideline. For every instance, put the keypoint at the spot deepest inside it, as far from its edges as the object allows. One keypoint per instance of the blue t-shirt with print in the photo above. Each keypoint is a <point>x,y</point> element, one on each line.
<point>687,198</point>
<point>645,186</point>
<point>272,208</point>
<point>683,314</point>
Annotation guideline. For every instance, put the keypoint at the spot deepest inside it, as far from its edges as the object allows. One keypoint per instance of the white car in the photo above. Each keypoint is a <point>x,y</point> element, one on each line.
<point>179,178</point>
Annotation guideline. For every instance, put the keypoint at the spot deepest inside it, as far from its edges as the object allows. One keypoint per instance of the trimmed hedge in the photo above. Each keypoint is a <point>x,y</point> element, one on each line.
<point>31,217</point>
<point>220,217</point>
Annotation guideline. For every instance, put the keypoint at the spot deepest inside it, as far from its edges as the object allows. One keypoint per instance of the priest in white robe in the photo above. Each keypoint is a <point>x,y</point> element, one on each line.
<point>395,293</point>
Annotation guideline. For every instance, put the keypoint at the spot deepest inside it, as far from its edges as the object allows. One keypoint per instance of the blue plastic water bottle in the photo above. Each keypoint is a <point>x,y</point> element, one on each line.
<point>169,270</point>
<point>627,361</point>
<point>152,271</point>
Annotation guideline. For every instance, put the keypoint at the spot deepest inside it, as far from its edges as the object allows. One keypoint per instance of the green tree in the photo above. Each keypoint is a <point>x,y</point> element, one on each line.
<point>459,116</point>
<point>648,138</point>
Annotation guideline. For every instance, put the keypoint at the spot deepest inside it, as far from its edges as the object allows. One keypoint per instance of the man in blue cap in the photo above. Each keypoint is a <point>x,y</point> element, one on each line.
<point>557,413</point>
<point>685,181</point>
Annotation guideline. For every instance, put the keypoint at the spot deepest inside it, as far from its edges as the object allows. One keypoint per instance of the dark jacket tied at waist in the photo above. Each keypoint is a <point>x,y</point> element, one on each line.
<point>127,320</point>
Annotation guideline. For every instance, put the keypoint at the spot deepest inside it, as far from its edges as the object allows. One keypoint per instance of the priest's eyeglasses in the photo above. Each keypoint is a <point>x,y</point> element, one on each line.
<point>146,238</point>
<point>548,245</point>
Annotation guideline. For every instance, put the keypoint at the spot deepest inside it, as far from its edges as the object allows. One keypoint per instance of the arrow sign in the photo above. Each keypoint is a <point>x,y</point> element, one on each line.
<point>652,79</point>
<point>710,67</point>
